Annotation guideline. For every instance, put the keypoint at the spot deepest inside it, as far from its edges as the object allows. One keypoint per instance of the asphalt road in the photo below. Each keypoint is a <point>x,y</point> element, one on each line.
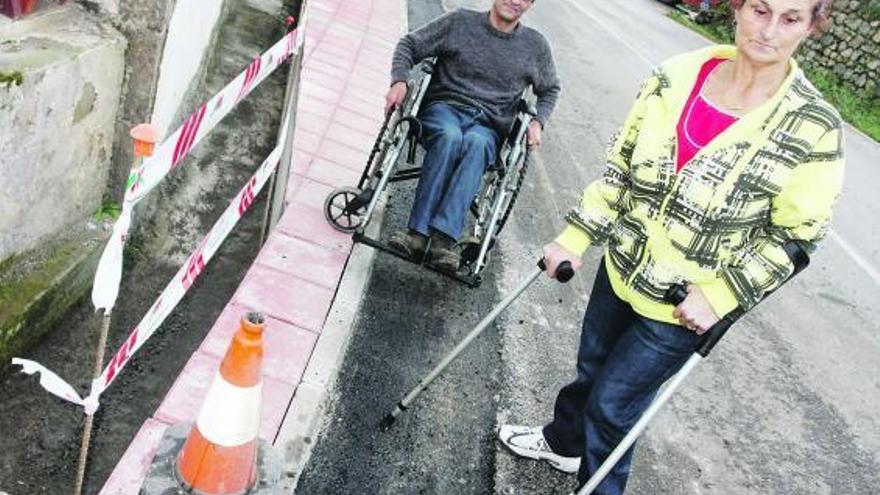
<point>410,319</point>
<point>786,405</point>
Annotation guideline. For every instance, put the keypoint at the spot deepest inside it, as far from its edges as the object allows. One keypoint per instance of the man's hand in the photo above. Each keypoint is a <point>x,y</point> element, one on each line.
<point>535,131</point>
<point>695,313</point>
<point>554,254</point>
<point>394,97</point>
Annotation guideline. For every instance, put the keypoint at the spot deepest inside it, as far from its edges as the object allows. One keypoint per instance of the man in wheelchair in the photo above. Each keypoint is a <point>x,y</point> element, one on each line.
<point>485,61</point>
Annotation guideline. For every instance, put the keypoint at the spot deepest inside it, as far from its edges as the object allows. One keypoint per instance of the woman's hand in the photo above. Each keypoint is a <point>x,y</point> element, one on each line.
<point>695,313</point>
<point>395,96</point>
<point>554,254</point>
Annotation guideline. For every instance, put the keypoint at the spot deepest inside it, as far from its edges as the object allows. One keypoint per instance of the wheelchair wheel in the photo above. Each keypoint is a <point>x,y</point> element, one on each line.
<point>520,170</point>
<point>490,195</point>
<point>494,203</point>
<point>345,207</point>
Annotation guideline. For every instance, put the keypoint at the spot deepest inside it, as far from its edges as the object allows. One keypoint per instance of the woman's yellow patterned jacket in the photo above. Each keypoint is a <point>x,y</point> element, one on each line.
<point>720,223</point>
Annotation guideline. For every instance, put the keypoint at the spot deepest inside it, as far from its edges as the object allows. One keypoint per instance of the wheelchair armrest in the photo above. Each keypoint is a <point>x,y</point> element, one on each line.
<point>525,107</point>
<point>427,65</point>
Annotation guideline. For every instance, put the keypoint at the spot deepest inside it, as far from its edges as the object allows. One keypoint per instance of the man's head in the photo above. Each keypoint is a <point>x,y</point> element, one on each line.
<point>511,10</point>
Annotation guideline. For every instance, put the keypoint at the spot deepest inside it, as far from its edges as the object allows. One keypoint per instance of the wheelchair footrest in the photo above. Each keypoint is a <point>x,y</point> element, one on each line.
<point>466,278</point>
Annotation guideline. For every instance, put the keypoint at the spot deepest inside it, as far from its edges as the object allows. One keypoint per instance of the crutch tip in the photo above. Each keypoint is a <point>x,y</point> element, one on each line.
<point>387,422</point>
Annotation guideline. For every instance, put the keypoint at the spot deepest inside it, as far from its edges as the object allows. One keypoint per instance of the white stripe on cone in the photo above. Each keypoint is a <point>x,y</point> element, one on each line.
<point>230,415</point>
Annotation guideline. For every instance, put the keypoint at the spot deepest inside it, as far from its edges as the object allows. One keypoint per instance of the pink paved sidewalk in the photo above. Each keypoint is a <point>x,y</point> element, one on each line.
<point>294,278</point>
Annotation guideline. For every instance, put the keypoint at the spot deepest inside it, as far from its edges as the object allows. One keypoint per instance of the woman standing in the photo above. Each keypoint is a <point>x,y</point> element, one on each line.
<point>728,153</point>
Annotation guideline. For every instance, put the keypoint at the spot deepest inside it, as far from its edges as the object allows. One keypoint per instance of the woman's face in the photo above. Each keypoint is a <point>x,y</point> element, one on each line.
<point>769,31</point>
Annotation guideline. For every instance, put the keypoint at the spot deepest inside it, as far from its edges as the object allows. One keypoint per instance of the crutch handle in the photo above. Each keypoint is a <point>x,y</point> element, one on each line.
<point>677,293</point>
<point>564,272</point>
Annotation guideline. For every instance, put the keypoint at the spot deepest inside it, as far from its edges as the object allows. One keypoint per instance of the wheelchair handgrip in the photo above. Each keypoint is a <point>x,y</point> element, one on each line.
<point>564,272</point>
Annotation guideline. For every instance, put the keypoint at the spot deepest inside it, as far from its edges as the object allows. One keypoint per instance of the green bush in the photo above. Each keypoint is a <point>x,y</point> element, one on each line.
<point>873,10</point>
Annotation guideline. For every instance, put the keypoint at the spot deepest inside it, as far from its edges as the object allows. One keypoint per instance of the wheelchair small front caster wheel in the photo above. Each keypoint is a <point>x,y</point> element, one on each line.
<point>344,208</point>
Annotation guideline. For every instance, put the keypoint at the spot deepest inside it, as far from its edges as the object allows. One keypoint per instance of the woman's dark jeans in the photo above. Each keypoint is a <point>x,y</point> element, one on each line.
<point>622,361</point>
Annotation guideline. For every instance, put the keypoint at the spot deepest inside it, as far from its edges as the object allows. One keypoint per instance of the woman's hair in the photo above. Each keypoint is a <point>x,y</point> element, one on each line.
<point>820,15</point>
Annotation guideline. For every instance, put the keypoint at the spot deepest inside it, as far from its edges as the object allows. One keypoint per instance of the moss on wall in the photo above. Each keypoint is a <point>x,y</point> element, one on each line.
<point>38,288</point>
<point>11,78</point>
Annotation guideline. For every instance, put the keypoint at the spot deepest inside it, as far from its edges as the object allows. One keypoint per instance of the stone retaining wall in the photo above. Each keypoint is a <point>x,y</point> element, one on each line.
<point>850,49</point>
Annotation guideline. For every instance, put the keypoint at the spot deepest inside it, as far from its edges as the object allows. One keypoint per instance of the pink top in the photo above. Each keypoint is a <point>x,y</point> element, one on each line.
<point>700,121</point>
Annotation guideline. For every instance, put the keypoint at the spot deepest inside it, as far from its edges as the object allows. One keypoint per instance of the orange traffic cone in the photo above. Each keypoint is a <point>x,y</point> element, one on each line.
<point>220,453</point>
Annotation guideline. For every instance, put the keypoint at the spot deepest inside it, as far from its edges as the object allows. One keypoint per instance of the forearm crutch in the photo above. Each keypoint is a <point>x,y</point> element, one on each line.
<point>564,272</point>
<point>675,295</point>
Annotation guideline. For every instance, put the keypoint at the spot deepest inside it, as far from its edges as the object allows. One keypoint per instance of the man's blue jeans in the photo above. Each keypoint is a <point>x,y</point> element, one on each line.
<point>622,361</point>
<point>459,145</point>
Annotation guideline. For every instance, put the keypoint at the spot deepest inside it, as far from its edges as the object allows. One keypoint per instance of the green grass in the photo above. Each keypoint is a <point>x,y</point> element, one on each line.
<point>860,110</point>
<point>109,210</point>
<point>715,32</point>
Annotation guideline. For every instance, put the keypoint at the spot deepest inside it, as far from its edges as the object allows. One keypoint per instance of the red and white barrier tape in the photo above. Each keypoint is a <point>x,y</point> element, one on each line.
<point>167,300</point>
<point>168,155</point>
<point>172,151</point>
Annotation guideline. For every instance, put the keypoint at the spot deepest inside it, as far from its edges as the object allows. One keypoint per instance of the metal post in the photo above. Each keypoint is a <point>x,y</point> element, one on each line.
<point>278,184</point>
<point>145,137</point>
<point>87,428</point>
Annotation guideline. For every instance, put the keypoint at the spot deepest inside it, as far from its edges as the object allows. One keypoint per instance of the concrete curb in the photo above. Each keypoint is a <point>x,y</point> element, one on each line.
<point>305,416</point>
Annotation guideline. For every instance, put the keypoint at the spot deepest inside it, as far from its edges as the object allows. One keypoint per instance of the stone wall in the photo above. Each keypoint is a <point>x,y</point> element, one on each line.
<point>850,49</point>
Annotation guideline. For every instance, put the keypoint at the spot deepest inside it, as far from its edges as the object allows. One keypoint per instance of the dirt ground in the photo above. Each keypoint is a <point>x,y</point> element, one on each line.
<point>40,440</point>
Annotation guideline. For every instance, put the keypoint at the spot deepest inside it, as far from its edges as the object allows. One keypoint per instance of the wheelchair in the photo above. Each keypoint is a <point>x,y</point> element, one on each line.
<point>350,209</point>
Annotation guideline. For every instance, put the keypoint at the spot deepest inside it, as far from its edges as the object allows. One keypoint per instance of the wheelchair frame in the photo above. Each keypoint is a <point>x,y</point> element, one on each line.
<point>350,209</point>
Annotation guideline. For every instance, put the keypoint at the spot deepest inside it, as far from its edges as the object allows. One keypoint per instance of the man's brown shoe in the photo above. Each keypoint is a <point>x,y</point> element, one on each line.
<point>410,244</point>
<point>441,254</point>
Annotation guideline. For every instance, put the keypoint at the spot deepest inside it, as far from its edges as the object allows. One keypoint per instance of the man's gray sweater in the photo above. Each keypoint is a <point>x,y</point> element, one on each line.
<point>480,66</point>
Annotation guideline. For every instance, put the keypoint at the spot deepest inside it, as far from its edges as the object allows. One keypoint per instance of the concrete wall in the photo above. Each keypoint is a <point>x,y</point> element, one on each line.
<point>191,33</point>
<point>58,122</point>
<point>64,71</point>
<point>80,76</point>
<point>145,24</point>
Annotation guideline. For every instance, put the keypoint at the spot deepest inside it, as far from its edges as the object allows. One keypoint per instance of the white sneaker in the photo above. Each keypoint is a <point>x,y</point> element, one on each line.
<point>528,441</point>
